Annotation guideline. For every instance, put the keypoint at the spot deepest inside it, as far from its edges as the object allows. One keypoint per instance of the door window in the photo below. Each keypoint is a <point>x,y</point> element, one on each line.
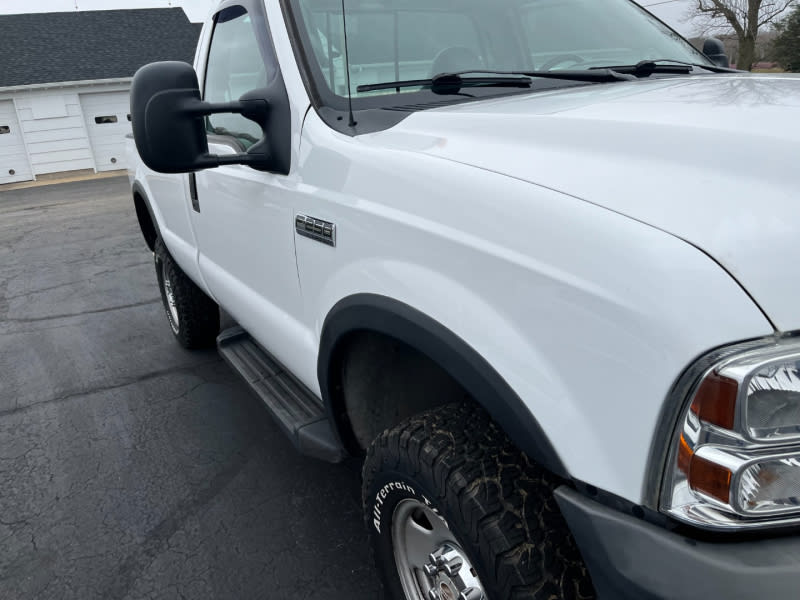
<point>235,67</point>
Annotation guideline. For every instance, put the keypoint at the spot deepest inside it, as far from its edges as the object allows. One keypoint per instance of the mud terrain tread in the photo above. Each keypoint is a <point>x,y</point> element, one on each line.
<point>497,496</point>
<point>198,314</point>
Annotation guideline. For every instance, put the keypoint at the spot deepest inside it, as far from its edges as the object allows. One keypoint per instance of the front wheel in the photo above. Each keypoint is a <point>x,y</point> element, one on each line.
<point>456,512</point>
<point>193,317</point>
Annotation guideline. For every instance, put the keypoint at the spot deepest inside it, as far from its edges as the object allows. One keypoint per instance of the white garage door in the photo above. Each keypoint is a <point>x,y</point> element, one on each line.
<point>13,159</point>
<point>107,121</point>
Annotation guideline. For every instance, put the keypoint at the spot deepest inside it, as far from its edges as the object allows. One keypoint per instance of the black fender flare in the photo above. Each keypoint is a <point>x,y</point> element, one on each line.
<point>390,317</point>
<point>138,190</point>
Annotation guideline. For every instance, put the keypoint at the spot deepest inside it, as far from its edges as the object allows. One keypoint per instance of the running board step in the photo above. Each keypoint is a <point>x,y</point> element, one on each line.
<point>297,410</point>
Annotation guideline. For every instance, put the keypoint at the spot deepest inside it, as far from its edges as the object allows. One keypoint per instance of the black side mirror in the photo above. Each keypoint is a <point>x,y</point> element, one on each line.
<point>715,50</point>
<point>168,120</point>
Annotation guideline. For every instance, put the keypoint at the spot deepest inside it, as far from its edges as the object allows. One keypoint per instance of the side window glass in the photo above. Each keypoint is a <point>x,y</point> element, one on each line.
<point>235,67</point>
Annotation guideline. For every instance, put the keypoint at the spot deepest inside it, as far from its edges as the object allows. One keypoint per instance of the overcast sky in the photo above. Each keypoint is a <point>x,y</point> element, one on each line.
<point>671,11</point>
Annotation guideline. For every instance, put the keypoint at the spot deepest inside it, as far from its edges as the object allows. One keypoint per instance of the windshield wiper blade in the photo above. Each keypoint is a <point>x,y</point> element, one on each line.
<point>448,83</point>
<point>645,68</point>
<point>451,83</point>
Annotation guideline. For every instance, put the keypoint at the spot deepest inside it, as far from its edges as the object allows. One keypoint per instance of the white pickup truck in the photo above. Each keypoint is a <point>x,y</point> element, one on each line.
<point>531,260</point>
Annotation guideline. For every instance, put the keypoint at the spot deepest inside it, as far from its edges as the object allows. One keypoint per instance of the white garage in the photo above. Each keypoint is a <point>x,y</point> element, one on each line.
<point>67,109</point>
<point>107,117</point>
<point>14,164</point>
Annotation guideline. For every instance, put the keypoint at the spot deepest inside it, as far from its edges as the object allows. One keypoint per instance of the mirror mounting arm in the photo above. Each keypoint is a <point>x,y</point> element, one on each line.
<point>255,110</point>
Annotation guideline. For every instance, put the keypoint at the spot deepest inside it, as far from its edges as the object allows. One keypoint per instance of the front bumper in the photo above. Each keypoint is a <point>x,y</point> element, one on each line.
<point>630,559</point>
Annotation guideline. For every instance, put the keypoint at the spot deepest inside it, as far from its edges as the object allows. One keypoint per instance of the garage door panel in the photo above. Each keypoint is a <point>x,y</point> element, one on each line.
<point>108,100</point>
<point>110,146</point>
<point>9,151</point>
<point>110,158</point>
<point>14,169</point>
<point>106,116</point>
<point>111,133</point>
<point>14,164</point>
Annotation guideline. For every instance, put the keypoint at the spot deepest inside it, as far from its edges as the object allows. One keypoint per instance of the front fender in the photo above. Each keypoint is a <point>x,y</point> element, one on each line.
<point>402,322</point>
<point>589,316</point>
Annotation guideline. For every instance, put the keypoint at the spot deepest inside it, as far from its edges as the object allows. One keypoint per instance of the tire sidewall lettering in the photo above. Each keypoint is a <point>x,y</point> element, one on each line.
<point>388,491</point>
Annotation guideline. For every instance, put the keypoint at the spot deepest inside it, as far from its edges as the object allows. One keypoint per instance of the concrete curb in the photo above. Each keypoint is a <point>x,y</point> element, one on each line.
<point>61,178</point>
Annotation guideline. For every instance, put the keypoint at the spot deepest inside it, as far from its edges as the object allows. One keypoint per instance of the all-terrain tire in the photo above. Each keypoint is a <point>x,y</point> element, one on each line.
<point>497,503</point>
<point>193,317</point>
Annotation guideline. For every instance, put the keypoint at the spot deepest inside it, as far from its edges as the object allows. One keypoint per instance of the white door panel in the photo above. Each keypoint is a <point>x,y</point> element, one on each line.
<point>245,233</point>
<point>14,165</point>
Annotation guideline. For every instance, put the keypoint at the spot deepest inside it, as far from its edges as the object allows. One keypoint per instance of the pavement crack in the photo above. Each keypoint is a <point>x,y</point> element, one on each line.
<point>74,282</point>
<point>157,539</point>
<point>80,314</point>
<point>105,388</point>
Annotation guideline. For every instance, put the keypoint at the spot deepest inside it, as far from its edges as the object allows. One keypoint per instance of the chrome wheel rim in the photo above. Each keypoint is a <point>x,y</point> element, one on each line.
<point>169,295</point>
<point>429,560</point>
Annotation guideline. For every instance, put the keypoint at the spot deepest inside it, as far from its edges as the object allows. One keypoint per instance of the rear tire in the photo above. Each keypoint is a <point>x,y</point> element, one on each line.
<point>193,317</point>
<point>495,509</point>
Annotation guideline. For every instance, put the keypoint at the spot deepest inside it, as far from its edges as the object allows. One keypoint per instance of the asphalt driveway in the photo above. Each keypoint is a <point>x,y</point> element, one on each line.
<point>130,468</point>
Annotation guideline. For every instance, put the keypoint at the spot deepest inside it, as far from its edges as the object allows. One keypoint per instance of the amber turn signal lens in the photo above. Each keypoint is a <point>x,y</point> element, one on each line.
<point>710,478</point>
<point>715,400</point>
<point>685,454</point>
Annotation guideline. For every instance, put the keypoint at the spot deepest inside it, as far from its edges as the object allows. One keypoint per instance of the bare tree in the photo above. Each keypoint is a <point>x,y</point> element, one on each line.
<point>745,17</point>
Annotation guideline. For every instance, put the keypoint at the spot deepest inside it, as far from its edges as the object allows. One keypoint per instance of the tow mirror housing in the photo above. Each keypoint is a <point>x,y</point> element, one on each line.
<point>715,50</point>
<point>168,119</point>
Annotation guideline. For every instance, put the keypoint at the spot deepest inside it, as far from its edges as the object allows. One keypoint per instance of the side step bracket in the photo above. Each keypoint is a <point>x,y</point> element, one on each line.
<point>297,410</point>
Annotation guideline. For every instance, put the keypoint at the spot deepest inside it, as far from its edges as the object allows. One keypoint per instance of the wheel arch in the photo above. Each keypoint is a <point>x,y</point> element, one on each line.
<point>389,317</point>
<point>148,224</point>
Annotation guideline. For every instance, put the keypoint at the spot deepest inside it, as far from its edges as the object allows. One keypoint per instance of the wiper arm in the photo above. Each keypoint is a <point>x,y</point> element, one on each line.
<point>712,68</point>
<point>451,83</point>
<point>646,68</point>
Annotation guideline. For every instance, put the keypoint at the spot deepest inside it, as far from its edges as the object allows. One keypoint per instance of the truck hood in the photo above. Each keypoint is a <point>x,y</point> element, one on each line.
<point>711,159</point>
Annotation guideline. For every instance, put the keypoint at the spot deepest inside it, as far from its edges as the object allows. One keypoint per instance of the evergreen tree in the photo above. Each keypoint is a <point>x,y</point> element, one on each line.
<point>786,47</point>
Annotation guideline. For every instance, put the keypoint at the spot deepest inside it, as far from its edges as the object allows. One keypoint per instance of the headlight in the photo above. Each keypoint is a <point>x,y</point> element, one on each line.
<point>734,459</point>
<point>773,401</point>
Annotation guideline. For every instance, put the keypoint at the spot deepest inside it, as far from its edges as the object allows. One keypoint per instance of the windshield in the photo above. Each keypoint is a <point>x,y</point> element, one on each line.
<point>395,40</point>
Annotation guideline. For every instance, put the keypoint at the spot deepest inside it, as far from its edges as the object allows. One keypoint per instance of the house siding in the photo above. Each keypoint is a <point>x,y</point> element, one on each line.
<point>55,143</point>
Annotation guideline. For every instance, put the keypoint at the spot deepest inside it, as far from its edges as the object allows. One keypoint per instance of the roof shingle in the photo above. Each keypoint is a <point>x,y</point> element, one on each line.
<point>86,45</point>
